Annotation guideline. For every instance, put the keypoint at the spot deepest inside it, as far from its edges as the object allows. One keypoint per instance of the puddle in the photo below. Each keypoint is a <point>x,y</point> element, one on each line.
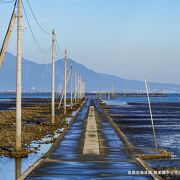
<point>11,168</point>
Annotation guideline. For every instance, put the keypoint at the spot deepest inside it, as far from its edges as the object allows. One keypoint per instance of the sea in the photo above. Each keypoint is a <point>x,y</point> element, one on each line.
<point>132,115</point>
<point>168,129</point>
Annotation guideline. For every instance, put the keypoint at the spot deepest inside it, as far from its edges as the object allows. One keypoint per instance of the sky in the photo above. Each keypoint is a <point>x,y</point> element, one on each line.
<point>126,38</point>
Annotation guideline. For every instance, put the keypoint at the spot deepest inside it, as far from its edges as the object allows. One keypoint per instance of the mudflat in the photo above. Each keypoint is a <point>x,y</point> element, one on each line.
<point>36,122</point>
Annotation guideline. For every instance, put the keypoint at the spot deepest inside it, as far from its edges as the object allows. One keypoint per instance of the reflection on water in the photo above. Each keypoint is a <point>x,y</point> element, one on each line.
<point>11,168</point>
<point>18,167</point>
<point>136,120</point>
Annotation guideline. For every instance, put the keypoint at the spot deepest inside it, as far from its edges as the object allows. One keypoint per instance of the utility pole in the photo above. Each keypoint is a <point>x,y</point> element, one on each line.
<point>83,89</point>
<point>75,87</point>
<point>71,86</point>
<point>18,76</point>
<point>78,85</point>
<point>52,88</point>
<point>79,88</point>
<point>65,61</point>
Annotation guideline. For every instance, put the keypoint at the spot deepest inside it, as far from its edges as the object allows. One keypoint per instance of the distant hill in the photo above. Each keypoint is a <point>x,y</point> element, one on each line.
<point>37,77</point>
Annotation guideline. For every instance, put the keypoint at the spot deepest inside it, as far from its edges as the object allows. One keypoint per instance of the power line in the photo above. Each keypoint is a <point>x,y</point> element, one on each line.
<point>56,52</point>
<point>42,50</point>
<point>40,26</point>
<point>58,48</point>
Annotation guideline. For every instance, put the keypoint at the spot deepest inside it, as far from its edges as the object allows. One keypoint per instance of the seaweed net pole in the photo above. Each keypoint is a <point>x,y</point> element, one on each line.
<point>150,111</point>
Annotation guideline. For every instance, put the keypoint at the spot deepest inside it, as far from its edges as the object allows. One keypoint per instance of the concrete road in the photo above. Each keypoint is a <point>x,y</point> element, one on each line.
<point>67,160</point>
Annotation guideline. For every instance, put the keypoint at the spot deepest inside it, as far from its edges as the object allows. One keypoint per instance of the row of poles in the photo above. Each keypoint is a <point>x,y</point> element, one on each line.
<point>79,90</point>
<point>105,94</point>
<point>75,95</point>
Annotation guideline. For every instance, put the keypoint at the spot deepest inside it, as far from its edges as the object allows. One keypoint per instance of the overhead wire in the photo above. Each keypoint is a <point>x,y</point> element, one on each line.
<point>40,48</point>
<point>61,93</point>
<point>40,26</point>
<point>46,32</point>
<point>58,48</point>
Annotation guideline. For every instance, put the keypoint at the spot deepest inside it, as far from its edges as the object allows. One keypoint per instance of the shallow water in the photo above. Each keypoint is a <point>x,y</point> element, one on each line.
<point>135,121</point>
<point>10,95</point>
<point>125,100</point>
<point>11,168</point>
<point>17,166</point>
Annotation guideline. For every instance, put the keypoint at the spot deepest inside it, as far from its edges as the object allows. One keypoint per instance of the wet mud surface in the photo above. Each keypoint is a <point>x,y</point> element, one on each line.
<point>134,120</point>
<point>36,122</point>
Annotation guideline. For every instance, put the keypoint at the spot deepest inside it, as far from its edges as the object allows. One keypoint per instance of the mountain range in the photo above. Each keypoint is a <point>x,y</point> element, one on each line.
<point>37,77</point>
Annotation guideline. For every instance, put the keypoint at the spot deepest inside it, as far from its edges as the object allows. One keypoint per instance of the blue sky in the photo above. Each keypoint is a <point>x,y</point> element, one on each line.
<point>126,38</point>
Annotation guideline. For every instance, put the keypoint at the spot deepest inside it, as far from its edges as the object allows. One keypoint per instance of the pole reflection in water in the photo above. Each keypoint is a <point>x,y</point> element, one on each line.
<point>18,167</point>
